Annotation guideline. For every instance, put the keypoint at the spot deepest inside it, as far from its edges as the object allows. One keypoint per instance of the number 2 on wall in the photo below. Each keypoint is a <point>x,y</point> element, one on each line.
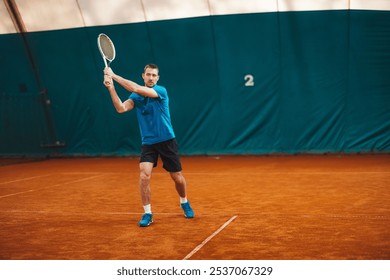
<point>249,80</point>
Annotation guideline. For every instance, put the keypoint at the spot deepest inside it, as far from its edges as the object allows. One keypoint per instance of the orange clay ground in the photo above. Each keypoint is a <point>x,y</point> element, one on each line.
<point>265,207</point>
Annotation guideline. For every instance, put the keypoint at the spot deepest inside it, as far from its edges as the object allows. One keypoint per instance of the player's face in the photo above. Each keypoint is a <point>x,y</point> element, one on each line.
<point>150,77</point>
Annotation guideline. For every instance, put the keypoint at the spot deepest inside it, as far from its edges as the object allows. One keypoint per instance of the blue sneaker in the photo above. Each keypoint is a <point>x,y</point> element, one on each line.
<point>188,212</point>
<point>146,220</point>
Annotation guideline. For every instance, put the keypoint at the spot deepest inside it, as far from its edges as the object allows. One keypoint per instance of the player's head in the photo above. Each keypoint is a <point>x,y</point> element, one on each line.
<point>151,66</point>
<point>150,75</point>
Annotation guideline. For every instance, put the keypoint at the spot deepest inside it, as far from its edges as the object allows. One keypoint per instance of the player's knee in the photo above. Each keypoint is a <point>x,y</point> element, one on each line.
<point>144,176</point>
<point>177,177</point>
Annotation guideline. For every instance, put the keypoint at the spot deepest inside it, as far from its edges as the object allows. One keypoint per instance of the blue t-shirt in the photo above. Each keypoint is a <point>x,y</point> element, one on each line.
<point>153,116</point>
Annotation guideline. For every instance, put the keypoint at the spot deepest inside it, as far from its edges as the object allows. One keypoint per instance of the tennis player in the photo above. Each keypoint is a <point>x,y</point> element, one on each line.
<point>158,138</point>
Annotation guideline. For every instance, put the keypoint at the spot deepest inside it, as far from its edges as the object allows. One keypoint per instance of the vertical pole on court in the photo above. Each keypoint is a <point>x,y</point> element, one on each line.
<point>53,141</point>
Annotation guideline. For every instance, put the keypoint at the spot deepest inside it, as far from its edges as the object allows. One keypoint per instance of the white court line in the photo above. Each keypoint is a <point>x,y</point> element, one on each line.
<point>262,172</point>
<point>279,216</point>
<point>209,238</point>
<point>267,172</point>
<point>91,212</point>
<point>56,185</point>
<point>24,179</point>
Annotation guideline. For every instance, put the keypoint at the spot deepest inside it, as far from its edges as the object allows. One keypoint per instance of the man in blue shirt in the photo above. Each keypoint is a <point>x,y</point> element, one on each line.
<point>158,138</point>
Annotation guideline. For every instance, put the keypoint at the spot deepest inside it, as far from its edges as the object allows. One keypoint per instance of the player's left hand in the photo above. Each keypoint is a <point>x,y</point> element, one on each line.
<point>107,81</point>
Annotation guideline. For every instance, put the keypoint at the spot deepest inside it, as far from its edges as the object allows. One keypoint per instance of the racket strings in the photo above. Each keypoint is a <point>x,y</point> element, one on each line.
<point>107,48</point>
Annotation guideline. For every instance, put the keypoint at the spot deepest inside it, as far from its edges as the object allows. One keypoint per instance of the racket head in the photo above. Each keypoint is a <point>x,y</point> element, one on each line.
<point>106,48</point>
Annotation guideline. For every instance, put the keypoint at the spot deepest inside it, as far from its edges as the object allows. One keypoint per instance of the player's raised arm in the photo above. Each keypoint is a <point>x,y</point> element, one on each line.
<point>120,106</point>
<point>132,86</point>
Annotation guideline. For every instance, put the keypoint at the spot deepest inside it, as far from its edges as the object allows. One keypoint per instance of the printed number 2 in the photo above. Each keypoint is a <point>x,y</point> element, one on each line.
<point>249,80</point>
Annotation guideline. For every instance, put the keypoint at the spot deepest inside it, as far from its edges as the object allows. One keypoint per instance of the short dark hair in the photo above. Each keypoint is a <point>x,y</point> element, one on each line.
<point>151,65</point>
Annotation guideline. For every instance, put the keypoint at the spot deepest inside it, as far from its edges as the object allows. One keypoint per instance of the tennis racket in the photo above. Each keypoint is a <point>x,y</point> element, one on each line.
<point>106,48</point>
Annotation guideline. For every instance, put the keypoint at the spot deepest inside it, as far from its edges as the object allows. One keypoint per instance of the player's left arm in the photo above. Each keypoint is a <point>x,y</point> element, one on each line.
<point>130,85</point>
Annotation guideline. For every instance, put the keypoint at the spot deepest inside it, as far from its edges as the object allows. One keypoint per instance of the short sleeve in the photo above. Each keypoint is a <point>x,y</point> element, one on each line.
<point>161,91</point>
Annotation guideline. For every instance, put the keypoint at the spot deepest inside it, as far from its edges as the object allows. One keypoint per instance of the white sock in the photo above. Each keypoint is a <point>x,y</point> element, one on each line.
<point>148,209</point>
<point>183,200</point>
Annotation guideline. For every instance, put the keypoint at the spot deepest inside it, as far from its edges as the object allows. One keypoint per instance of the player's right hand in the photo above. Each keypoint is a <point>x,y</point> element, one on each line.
<point>108,71</point>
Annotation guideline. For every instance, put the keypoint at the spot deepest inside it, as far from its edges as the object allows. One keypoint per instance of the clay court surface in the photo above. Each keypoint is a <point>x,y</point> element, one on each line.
<point>265,207</point>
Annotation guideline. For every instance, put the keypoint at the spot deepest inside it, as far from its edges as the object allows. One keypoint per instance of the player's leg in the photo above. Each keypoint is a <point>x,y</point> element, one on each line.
<point>171,162</point>
<point>144,181</point>
<point>148,160</point>
<point>181,188</point>
<point>180,183</point>
<point>144,187</point>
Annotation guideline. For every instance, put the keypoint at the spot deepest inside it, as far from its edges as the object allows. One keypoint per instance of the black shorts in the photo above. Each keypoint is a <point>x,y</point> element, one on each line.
<point>169,152</point>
